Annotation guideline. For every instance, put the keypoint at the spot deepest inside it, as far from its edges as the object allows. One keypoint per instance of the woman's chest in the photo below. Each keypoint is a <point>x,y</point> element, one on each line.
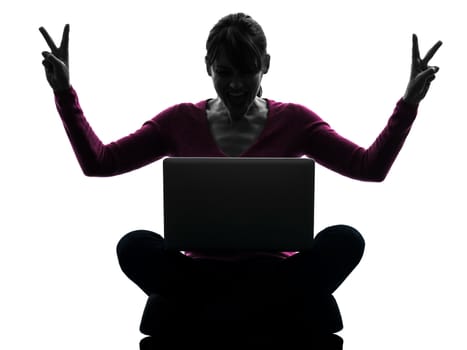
<point>234,137</point>
<point>234,140</point>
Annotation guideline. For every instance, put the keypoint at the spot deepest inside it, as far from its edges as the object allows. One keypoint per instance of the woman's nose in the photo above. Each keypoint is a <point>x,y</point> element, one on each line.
<point>236,83</point>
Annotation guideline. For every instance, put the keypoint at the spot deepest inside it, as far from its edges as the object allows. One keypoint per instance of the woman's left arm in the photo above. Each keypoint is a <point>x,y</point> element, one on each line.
<point>339,154</point>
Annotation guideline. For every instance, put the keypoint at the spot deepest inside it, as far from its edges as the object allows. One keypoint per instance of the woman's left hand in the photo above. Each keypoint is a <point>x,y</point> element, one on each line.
<point>421,74</point>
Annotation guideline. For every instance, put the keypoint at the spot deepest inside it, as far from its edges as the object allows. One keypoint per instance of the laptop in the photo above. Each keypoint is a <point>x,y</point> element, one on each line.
<point>237,203</point>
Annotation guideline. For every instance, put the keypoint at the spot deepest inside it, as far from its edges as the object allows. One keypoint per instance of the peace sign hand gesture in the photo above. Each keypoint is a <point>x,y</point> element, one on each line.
<point>56,62</point>
<point>421,75</point>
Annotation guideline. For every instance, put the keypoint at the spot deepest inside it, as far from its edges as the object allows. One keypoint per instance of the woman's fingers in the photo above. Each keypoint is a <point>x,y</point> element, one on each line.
<point>48,39</point>
<point>56,61</point>
<point>52,63</point>
<point>65,36</point>
<point>56,71</point>
<point>49,57</point>
<point>431,52</point>
<point>415,49</point>
<point>63,49</point>
<point>421,65</point>
<point>428,74</point>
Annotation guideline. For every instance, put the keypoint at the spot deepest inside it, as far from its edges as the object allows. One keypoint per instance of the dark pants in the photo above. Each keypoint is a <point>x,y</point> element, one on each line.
<point>336,251</point>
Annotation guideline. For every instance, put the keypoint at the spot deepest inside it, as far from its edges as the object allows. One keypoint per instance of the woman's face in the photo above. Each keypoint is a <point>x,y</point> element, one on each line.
<point>237,89</point>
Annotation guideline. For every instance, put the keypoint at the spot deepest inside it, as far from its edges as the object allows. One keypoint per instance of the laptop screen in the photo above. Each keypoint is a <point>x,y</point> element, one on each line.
<point>238,203</point>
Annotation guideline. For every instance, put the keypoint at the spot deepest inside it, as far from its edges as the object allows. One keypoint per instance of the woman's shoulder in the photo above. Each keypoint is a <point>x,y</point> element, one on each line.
<point>187,107</point>
<point>295,109</point>
<point>183,110</point>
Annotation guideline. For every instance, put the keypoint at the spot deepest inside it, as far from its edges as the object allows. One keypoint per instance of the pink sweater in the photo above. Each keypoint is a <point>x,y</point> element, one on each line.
<point>182,130</point>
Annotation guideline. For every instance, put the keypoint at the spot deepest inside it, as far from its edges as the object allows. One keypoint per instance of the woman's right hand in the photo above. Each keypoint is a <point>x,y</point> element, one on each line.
<point>56,61</point>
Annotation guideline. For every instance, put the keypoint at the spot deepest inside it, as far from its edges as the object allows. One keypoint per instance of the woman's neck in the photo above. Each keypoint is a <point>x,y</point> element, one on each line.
<point>217,107</point>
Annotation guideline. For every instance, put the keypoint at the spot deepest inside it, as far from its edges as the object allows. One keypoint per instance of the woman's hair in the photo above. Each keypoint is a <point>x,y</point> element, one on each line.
<point>241,38</point>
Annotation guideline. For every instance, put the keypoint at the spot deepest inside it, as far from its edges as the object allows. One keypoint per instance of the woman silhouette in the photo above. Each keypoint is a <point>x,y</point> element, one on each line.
<point>238,122</point>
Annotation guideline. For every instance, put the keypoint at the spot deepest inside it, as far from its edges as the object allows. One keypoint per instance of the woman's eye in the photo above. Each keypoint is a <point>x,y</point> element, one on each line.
<point>227,73</point>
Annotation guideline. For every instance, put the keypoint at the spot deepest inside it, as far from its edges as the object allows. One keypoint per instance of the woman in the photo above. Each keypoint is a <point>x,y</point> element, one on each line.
<point>237,123</point>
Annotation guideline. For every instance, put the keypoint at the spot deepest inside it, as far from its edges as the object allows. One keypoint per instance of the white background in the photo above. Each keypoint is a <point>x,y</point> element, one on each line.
<point>349,61</point>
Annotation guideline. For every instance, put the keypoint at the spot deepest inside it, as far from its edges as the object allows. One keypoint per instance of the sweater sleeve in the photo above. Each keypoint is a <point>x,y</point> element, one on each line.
<point>339,154</point>
<point>142,147</point>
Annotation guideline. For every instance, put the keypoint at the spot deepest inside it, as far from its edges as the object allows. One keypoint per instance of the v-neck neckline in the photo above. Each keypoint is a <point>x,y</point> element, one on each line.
<point>253,144</point>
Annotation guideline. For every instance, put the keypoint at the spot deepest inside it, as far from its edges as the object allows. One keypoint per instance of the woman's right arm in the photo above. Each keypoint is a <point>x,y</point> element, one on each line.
<point>96,159</point>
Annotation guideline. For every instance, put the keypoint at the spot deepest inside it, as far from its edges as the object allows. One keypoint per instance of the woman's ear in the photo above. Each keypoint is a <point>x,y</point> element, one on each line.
<point>208,66</point>
<point>266,62</point>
